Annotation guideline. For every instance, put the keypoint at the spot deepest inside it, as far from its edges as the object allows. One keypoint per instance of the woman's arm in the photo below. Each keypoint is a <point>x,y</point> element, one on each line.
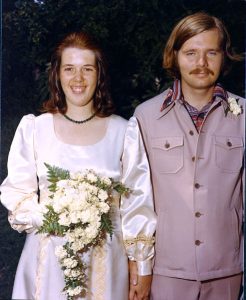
<point>19,189</point>
<point>137,210</point>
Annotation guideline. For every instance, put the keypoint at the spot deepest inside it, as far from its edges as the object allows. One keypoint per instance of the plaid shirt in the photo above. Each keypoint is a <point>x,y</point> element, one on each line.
<point>197,116</point>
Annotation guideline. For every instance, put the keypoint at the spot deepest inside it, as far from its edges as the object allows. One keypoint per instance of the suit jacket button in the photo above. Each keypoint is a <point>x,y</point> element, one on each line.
<point>198,214</point>
<point>197,243</point>
<point>229,144</point>
<point>191,132</point>
<point>167,145</point>
<point>197,185</point>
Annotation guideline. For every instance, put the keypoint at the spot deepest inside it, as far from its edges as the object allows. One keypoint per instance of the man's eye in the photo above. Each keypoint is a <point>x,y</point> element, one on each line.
<point>189,53</point>
<point>212,53</point>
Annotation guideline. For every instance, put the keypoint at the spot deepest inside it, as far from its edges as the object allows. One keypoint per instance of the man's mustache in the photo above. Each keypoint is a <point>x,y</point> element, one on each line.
<point>203,71</point>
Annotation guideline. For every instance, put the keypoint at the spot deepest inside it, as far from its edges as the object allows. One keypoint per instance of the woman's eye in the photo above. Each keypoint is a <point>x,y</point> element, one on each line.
<point>87,69</point>
<point>68,69</point>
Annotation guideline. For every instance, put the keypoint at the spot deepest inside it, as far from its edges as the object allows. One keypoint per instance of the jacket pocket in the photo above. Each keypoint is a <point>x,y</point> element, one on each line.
<point>229,153</point>
<point>168,153</point>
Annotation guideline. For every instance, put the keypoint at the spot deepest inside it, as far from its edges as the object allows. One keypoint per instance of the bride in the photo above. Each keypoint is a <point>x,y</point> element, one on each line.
<point>78,131</point>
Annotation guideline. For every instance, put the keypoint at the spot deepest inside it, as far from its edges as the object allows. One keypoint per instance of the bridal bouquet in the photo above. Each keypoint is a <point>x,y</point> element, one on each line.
<point>79,210</point>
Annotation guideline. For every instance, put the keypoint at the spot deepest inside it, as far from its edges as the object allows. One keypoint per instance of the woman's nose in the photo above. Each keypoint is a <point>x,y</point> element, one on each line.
<point>79,75</point>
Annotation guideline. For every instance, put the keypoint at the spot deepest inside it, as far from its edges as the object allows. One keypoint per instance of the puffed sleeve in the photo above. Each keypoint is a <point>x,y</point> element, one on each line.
<point>19,189</point>
<point>137,211</point>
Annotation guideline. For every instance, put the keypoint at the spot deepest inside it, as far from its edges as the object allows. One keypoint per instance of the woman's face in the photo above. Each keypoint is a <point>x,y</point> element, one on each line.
<point>78,76</point>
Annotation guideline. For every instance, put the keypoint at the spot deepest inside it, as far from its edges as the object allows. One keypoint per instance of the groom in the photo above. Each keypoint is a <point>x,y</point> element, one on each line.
<point>194,136</point>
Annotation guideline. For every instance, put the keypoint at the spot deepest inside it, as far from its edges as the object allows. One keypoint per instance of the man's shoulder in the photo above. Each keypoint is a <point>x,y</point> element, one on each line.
<point>151,105</point>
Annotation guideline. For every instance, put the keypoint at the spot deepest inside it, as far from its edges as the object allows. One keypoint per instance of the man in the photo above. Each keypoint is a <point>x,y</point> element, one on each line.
<point>194,137</point>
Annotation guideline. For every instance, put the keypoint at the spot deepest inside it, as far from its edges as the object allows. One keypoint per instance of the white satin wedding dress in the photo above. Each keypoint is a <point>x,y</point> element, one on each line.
<point>39,276</point>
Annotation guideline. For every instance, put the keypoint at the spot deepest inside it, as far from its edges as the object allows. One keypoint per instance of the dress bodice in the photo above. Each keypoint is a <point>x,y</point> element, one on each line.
<point>104,157</point>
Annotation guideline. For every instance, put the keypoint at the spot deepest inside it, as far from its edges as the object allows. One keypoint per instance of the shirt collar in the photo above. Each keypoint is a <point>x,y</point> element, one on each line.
<point>175,93</point>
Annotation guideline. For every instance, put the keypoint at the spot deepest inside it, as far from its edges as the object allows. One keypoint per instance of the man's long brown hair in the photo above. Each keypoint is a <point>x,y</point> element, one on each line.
<point>189,27</point>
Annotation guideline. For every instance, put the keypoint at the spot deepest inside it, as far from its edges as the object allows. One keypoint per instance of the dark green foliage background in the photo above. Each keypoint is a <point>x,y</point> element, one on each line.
<point>132,33</point>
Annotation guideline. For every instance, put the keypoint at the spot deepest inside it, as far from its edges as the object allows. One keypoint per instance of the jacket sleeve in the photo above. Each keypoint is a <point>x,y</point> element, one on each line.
<point>19,189</point>
<point>137,211</point>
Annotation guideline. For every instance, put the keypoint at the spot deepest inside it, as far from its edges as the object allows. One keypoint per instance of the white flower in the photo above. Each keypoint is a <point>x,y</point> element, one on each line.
<point>103,195</point>
<point>60,252</point>
<point>74,217</point>
<point>60,202</point>
<point>104,207</point>
<point>85,216</point>
<point>75,273</point>
<point>91,177</point>
<point>74,291</point>
<point>64,219</point>
<point>70,263</point>
<point>77,245</point>
<point>92,189</point>
<point>234,107</point>
<point>106,180</point>
<point>91,231</point>
<point>67,272</point>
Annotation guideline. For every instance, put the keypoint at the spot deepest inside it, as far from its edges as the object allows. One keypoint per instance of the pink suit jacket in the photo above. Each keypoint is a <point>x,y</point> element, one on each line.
<point>198,188</point>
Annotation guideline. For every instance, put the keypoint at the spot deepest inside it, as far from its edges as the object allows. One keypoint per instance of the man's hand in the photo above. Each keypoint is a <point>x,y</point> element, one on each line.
<point>139,285</point>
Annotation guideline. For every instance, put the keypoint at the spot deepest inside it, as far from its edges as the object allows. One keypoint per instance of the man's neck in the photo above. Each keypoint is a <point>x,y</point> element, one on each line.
<point>198,98</point>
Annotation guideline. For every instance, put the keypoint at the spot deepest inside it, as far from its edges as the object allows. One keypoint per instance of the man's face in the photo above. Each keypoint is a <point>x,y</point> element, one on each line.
<point>200,60</point>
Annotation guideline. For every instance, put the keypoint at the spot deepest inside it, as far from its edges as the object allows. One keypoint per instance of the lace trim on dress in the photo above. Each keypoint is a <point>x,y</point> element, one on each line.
<point>17,227</point>
<point>98,269</point>
<point>41,256</point>
<point>23,199</point>
<point>26,225</point>
<point>141,238</point>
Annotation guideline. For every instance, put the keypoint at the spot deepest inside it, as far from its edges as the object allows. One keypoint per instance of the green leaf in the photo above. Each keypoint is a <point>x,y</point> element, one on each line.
<point>120,188</point>
<point>54,174</point>
<point>50,223</point>
<point>107,224</point>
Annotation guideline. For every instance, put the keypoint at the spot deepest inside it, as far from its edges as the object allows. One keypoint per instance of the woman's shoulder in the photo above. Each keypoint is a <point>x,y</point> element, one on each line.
<point>28,118</point>
<point>116,127</point>
<point>118,120</point>
<point>32,117</point>
<point>30,121</point>
<point>26,122</point>
<point>44,117</point>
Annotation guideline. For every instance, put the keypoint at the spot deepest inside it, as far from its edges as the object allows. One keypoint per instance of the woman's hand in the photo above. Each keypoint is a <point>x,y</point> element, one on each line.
<point>139,285</point>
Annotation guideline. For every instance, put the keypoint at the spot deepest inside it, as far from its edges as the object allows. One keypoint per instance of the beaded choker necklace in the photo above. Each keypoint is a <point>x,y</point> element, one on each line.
<point>80,122</point>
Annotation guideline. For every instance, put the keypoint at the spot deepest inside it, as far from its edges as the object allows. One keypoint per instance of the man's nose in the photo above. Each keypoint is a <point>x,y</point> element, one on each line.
<point>202,60</point>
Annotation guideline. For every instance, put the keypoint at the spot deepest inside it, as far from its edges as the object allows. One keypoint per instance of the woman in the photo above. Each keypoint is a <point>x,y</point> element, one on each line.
<point>78,131</point>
